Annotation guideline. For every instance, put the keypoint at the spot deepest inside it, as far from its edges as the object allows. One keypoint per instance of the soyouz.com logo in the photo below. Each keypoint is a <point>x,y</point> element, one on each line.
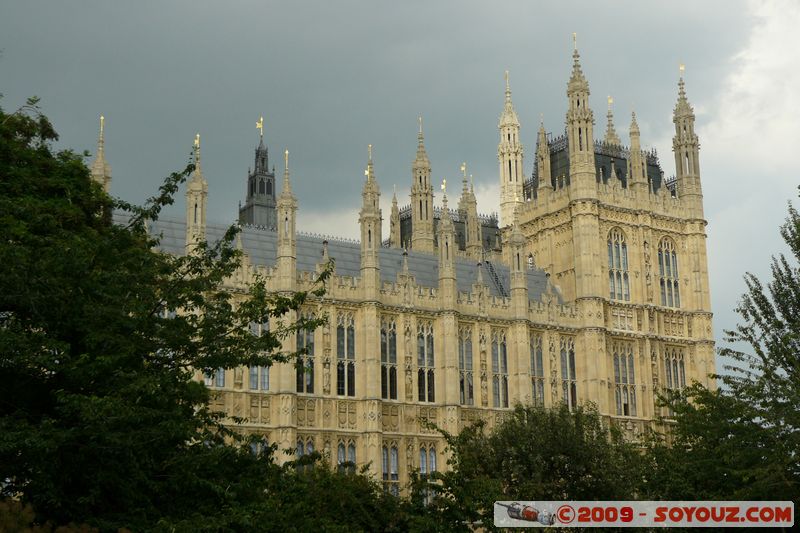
<point>644,514</point>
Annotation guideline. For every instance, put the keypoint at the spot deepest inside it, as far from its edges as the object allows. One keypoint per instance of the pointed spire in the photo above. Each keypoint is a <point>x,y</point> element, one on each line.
<point>370,171</point>
<point>100,169</point>
<point>634,124</point>
<point>611,133</point>
<point>479,279</point>
<point>445,212</point>
<point>405,262</point>
<point>471,184</point>
<point>577,81</point>
<point>509,116</point>
<point>422,156</point>
<point>287,186</point>
<point>464,188</point>
<point>198,171</point>
<point>394,196</point>
<point>637,175</point>
<point>682,107</point>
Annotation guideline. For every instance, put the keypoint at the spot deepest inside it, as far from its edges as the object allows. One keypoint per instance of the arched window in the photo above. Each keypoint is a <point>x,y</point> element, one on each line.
<point>499,369</point>
<point>465,383</point>
<point>624,379</point>
<point>569,382</point>
<point>537,369</point>
<point>304,366</point>
<point>618,282</point>
<point>674,368</point>
<point>346,457</point>
<point>269,187</point>
<point>388,359</point>
<point>426,382</point>
<point>261,189</point>
<point>668,274</point>
<point>346,356</point>
<point>391,462</point>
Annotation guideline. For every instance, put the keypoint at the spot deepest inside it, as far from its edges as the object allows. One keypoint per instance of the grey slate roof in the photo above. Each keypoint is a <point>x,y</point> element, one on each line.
<point>261,247</point>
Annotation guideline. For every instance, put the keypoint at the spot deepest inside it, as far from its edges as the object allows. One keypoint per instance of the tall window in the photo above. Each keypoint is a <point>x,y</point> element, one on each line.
<point>499,369</point>
<point>215,379</point>
<point>624,379</point>
<point>390,463</point>
<point>259,378</point>
<point>345,356</point>
<point>466,386</point>
<point>305,446</point>
<point>674,369</point>
<point>304,367</point>
<point>427,465</point>
<point>537,369</point>
<point>426,382</point>
<point>618,283</point>
<point>259,375</point>
<point>569,384</point>
<point>346,456</point>
<point>668,273</point>
<point>388,359</point>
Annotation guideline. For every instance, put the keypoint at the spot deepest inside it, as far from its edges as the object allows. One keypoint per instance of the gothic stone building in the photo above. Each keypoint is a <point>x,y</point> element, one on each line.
<point>592,287</point>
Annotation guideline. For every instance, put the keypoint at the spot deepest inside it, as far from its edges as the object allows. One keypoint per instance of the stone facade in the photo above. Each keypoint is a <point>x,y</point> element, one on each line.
<point>596,290</point>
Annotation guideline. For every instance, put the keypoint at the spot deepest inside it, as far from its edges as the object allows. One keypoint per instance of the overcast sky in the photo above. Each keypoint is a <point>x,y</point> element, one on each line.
<point>331,77</point>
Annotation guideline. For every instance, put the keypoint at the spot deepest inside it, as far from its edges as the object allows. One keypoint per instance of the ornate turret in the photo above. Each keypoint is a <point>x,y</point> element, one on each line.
<point>509,154</point>
<point>519,265</point>
<point>196,202</point>
<point>421,199</point>
<point>611,133</point>
<point>371,222</point>
<point>580,122</point>
<point>686,146</point>
<point>287,232</point>
<point>259,206</point>
<point>394,222</point>
<point>468,208</point>
<point>543,160</point>
<point>100,169</point>
<point>447,252</point>
<point>638,180</point>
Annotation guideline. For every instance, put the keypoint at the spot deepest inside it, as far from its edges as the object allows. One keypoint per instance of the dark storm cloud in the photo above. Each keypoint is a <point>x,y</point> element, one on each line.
<point>332,77</point>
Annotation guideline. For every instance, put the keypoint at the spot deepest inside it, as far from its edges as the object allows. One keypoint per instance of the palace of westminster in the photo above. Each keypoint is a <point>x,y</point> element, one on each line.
<point>591,287</point>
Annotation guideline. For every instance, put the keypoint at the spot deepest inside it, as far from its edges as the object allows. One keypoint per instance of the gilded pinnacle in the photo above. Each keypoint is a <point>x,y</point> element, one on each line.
<point>260,126</point>
<point>286,160</point>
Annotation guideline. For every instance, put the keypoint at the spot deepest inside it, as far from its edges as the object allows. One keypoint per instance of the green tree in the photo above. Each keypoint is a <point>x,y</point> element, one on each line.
<point>743,440</point>
<point>535,453</point>
<point>101,421</point>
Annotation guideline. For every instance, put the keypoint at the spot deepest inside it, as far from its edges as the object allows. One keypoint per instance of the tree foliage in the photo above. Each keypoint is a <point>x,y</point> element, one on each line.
<point>101,419</point>
<point>743,440</point>
<point>535,453</point>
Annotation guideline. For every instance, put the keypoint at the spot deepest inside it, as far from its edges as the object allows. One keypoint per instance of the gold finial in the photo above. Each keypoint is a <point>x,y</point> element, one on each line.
<point>286,160</point>
<point>197,141</point>
<point>394,189</point>
<point>369,149</point>
<point>681,67</point>
<point>610,101</point>
<point>464,169</point>
<point>575,41</point>
<point>420,125</point>
<point>541,119</point>
<point>508,86</point>
<point>102,120</point>
<point>260,126</point>
<point>444,186</point>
